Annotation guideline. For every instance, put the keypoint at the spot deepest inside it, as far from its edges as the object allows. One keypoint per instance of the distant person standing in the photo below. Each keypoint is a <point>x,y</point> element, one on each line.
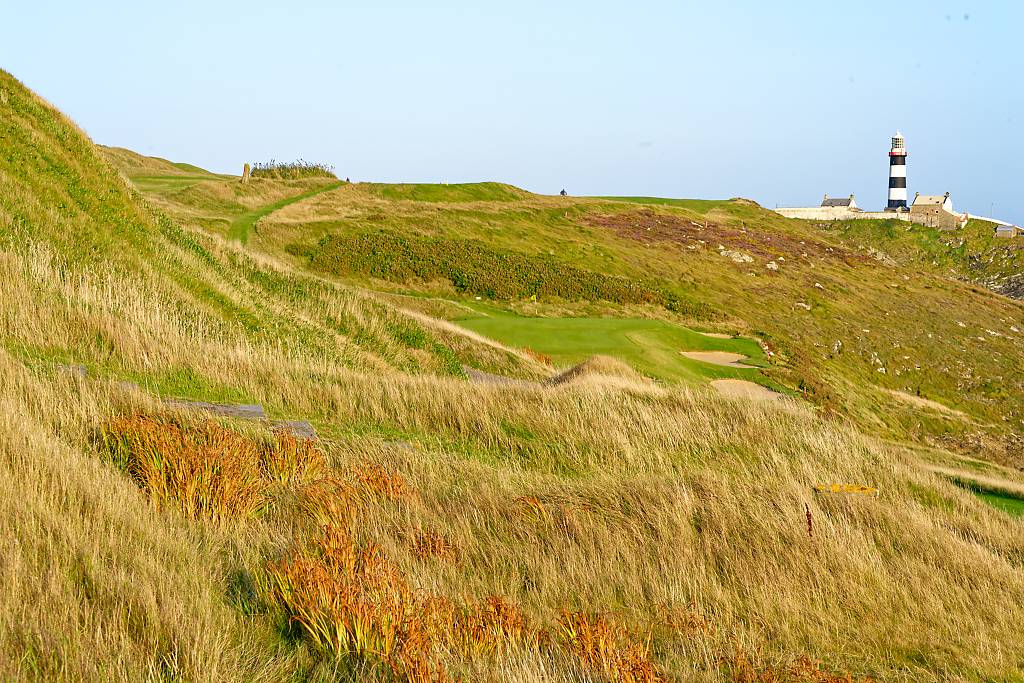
<point>564,193</point>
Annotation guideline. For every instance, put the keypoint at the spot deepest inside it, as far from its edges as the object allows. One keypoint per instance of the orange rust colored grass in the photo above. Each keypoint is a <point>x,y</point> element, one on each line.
<point>336,499</point>
<point>206,470</point>
<point>348,598</point>
<point>427,544</point>
<point>802,670</point>
<point>601,645</point>
<point>497,626</point>
<point>330,501</point>
<point>538,356</point>
<point>377,480</point>
<point>293,460</point>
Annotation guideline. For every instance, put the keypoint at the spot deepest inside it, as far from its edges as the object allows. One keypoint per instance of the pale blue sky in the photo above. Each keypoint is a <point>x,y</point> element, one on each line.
<point>779,102</point>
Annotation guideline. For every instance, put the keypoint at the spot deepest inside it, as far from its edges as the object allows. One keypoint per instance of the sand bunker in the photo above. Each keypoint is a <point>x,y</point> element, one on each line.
<point>741,388</point>
<point>726,358</point>
<point>717,335</point>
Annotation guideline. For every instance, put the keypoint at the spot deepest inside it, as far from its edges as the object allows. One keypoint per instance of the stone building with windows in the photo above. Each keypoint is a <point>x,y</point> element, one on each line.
<point>936,211</point>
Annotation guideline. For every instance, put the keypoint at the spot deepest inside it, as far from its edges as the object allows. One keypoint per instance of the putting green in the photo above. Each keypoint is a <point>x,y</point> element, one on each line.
<point>652,347</point>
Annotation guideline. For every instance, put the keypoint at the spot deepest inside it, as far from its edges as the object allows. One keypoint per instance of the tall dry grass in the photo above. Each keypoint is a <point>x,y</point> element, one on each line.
<point>641,498</point>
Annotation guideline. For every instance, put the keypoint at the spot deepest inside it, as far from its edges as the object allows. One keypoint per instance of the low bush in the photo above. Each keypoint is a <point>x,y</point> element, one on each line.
<point>291,170</point>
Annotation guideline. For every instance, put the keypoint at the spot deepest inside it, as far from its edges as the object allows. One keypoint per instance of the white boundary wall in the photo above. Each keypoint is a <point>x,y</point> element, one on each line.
<point>838,213</point>
<point>990,220</point>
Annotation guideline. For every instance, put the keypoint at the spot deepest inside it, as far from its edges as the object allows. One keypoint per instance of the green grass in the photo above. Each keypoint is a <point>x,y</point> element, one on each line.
<point>999,498</point>
<point>1009,504</point>
<point>169,183</point>
<point>651,346</point>
<point>191,168</point>
<point>241,226</point>
<point>443,192</point>
<point>698,205</point>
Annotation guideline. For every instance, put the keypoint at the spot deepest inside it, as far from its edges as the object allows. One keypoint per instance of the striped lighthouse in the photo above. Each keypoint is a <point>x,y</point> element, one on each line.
<point>897,175</point>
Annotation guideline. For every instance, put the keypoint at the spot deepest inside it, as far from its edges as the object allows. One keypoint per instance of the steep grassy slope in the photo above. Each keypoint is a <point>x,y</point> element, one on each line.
<point>598,530</point>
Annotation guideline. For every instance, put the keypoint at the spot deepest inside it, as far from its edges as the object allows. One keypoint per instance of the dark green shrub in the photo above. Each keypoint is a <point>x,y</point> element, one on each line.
<point>472,268</point>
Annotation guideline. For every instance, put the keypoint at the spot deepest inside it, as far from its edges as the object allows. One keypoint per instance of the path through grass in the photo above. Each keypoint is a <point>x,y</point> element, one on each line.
<point>241,226</point>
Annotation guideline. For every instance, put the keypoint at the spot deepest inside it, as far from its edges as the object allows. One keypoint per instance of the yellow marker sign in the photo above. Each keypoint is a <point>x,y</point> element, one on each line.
<point>846,488</point>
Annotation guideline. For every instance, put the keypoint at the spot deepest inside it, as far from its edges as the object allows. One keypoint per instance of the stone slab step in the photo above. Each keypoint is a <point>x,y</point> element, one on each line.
<point>243,411</point>
<point>300,429</point>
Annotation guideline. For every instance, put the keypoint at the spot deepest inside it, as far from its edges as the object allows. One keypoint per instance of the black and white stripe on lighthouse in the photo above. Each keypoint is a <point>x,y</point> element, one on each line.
<point>897,175</point>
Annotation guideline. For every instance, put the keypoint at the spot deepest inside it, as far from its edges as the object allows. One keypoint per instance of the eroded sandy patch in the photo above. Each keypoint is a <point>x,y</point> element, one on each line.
<point>922,402</point>
<point>725,358</point>
<point>741,388</point>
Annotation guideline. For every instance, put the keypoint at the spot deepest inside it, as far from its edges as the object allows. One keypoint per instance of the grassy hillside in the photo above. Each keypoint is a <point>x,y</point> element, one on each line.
<point>455,193</point>
<point>973,254</point>
<point>857,332</point>
<point>601,529</point>
<point>214,203</point>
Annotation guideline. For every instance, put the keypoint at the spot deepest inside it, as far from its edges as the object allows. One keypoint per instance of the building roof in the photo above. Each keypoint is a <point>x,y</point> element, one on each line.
<point>837,201</point>
<point>930,199</point>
